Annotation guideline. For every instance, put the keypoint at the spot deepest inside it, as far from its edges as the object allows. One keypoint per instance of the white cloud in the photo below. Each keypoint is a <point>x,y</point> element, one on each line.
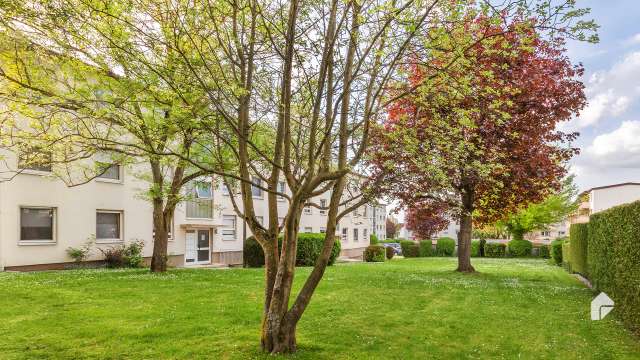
<point>633,40</point>
<point>619,148</point>
<point>610,93</point>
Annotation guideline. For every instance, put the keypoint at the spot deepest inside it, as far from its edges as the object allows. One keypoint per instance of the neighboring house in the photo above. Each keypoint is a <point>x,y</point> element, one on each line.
<point>549,234</point>
<point>604,197</point>
<point>405,233</point>
<point>40,218</point>
<point>378,220</point>
<point>451,231</point>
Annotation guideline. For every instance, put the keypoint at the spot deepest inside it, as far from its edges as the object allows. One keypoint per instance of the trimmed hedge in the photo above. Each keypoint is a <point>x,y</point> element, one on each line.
<point>307,252</point>
<point>614,259</point>
<point>409,248</point>
<point>579,238</point>
<point>495,249</point>
<point>566,255</point>
<point>544,251</point>
<point>520,248</point>
<point>445,246</point>
<point>483,243</point>
<point>556,251</point>
<point>390,252</point>
<point>374,253</point>
<point>426,249</point>
<point>475,248</point>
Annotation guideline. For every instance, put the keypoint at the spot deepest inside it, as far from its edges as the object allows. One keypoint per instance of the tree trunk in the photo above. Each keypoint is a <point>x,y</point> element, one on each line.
<point>160,238</point>
<point>464,236</point>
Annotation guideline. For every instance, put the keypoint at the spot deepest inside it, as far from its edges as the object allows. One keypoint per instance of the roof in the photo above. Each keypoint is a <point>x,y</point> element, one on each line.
<point>609,186</point>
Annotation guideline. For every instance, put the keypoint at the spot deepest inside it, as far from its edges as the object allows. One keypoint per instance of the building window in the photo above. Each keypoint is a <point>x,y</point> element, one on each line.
<point>281,190</point>
<point>109,226</point>
<point>365,234</point>
<point>201,206</point>
<point>355,234</point>
<point>307,209</point>
<point>229,229</point>
<point>364,211</point>
<point>308,229</point>
<point>225,190</point>
<point>256,183</point>
<point>323,230</point>
<point>37,224</point>
<point>323,205</point>
<point>35,159</point>
<point>345,234</point>
<point>109,172</point>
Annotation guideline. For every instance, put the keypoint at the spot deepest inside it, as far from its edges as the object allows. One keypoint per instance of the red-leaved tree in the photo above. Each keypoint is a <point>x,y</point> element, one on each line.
<point>426,219</point>
<point>481,136</point>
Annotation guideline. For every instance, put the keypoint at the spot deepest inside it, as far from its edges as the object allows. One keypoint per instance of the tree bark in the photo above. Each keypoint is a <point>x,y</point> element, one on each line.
<point>464,236</point>
<point>160,238</point>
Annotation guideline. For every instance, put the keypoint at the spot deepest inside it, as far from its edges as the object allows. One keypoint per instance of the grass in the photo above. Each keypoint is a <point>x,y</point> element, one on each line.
<point>411,308</point>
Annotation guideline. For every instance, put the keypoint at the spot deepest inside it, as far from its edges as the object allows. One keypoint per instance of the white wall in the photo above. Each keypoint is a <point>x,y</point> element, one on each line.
<point>603,199</point>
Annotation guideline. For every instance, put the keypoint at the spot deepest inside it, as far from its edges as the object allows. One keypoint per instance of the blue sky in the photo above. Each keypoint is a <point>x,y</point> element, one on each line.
<point>610,124</point>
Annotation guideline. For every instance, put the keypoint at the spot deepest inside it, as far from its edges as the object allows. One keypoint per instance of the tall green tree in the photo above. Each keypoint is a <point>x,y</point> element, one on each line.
<point>555,208</point>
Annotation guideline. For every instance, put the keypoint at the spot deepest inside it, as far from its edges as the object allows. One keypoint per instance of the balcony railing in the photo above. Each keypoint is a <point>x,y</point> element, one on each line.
<point>200,209</point>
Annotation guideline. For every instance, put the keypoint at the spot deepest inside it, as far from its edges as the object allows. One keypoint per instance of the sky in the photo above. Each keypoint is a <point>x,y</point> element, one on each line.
<point>609,125</point>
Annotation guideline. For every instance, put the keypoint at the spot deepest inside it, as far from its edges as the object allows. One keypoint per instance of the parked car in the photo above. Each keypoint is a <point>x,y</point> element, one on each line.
<point>395,246</point>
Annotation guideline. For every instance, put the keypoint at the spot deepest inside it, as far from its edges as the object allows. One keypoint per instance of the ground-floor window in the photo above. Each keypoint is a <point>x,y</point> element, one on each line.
<point>109,226</point>
<point>355,234</point>
<point>37,224</point>
<point>345,234</point>
<point>308,229</point>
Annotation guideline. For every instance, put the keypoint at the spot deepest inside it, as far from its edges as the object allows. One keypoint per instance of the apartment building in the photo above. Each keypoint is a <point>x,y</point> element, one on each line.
<point>378,220</point>
<point>40,218</point>
<point>604,197</point>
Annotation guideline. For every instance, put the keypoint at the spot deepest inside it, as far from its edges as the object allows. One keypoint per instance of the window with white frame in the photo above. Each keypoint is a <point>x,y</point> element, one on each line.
<point>109,172</point>
<point>229,227</point>
<point>307,209</point>
<point>364,211</point>
<point>203,190</point>
<point>225,189</point>
<point>323,230</point>
<point>323,204</point>
<point>256,184</point>
<point>355,234</point>
<point>308,229</point>
<point>345,234</point>
<point>108,226</point>
<point>37,224</point>
<point>365,234</point>
<point>281,190</point>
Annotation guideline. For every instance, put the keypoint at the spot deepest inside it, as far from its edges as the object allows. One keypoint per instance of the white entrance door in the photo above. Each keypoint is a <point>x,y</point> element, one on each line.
<point>198,248</point>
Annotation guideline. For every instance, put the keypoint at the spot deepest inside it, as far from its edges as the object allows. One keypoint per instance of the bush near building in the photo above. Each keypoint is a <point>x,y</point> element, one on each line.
<point>374,253</point>
<point>556,250</point>
<point>519,248</point>
<point>566,255</point>
<point>495,249</point>
<point>445,246</point>
<point>544,251</point>
<point>426,248</point>
<point>613,259</point>
<point>390,252</point>
<point>409,248</point>
<point>307,252</point>
<point>579,238</point>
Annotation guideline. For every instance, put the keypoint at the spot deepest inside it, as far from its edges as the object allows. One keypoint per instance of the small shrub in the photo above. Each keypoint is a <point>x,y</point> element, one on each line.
<point>308,250</point>
<point>544,251</point>
<point>390,252</point>
<point>373,239</point>
<point>495,249</point>
<point>520,248</point>
<point>374,253</point>
<point>113,256</point>
<point>475,248</point>
<point>426,249</point>
<point>413,251</point>
<point>404,245</point>
<point>556,251</point>
<point>81,253</point>
<point>445,246</point>
<point>132,254</point>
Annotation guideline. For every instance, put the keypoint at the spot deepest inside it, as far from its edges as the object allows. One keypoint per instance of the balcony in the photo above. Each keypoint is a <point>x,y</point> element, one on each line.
<point>200,209</point>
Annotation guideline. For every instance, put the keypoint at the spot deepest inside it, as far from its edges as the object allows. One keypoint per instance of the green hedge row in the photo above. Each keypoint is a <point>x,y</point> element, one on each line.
<point>445,246</point>
<point>577,248</point>
<point>613,259</point>
<point>308,250</point>
<point>374,253</point>
<point>556,250</point>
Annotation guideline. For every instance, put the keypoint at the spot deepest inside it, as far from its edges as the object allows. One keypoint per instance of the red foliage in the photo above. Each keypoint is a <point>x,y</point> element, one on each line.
<point>426,219</point>
<point>507,152</point>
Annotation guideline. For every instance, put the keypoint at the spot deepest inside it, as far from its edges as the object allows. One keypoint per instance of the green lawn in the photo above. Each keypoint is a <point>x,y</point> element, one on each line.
<point>414,308</point>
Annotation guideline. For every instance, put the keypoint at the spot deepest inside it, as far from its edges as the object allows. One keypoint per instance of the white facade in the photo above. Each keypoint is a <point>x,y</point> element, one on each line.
<point>604,197</point>
<point>378,220</point>
<point>40,218</point>
<point>451,231</point>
